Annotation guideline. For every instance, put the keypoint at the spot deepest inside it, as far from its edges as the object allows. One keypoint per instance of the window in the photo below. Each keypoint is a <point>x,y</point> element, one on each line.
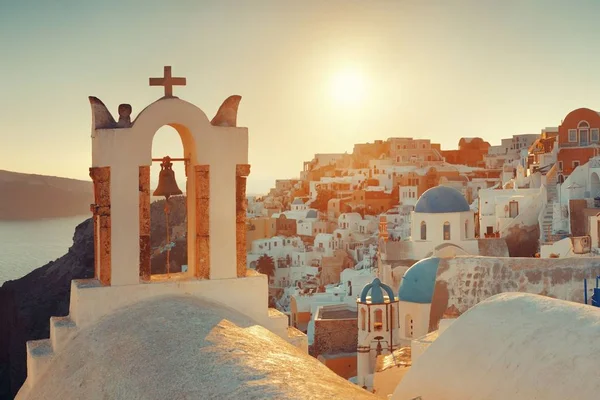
<point>378,325</point>
<point>423,230</point>
<point>595,135</point>
<point>408,328</point>
<point>575,163</point>
<point>363,318</point>
<point>560,165</point>
<point>489,230</point>
<point>446,230</point>
<point>572,135</point>
<point>466,229</point>
<point>583,124</point>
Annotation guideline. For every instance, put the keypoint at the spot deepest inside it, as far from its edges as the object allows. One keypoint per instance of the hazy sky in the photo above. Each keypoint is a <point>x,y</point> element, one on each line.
<point>315,76</point>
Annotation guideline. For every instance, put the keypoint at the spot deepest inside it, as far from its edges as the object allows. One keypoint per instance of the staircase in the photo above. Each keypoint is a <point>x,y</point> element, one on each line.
<point>551,197</point>
<point>41,352</point>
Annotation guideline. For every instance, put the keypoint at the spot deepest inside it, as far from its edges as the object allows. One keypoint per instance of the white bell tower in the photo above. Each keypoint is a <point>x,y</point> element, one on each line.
<point>378,329</point>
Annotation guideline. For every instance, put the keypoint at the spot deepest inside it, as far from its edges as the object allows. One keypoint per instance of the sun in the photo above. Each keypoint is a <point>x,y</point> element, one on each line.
<point>348,87</point>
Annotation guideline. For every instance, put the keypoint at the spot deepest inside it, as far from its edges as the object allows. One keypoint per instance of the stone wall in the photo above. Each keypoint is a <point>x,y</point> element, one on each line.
<point>463,282</point>
<point>335,336</point>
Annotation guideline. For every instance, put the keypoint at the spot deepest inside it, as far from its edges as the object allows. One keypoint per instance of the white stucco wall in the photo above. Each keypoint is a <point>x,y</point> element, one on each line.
<point>464,239</point>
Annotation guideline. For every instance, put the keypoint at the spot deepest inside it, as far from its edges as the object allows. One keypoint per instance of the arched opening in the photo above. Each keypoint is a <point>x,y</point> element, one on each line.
<point>168,220</point>
<point>378,316</point>
<point>363,319</point>
<point>408,326</point>
<point>423,230</point>
<point>595,185</point>
<point>466,228</point>
<point>447,230</point>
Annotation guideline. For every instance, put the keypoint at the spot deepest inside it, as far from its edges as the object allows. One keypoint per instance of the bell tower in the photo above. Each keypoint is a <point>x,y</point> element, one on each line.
<point>377,328</point>
<point>216,165</point>
<point>215,154</point>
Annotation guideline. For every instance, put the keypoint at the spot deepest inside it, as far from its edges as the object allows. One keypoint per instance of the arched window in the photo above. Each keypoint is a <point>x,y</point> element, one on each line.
<point>446,230</point>
<point>363,319</point>
<point>466,228</point>
<point>378,320</point>
<point>584,133</point>
<point>423,230</point>
<point>408,326</point>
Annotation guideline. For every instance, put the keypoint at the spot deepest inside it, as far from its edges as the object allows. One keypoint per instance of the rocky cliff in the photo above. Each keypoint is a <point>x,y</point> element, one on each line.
<point>29,197</point>
<point>27,304</point>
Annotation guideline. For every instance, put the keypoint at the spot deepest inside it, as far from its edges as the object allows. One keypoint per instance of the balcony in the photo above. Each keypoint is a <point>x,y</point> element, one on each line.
<point>574,144</point>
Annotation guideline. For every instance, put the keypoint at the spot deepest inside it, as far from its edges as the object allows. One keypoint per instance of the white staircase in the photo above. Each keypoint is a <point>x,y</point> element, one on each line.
<point>551,197</point>
<point>41,352</point>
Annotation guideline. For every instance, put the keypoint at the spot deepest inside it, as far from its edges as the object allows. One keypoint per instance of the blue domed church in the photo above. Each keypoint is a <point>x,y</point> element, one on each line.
<point>387,322</point>
<point>443,225</point>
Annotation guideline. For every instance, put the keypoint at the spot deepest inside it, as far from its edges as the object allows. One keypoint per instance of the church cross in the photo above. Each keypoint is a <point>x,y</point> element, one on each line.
<point>167,81</point>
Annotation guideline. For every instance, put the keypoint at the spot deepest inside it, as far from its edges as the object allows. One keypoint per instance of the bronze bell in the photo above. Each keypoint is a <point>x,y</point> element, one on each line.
<point>167,185</point>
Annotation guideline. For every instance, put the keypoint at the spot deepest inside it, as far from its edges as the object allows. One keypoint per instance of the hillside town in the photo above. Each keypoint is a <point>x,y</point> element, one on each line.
<point>355,222</point>
<point>355,281</point>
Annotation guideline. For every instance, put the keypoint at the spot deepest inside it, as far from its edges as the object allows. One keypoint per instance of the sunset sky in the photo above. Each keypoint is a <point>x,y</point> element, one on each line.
<point>315,76</point>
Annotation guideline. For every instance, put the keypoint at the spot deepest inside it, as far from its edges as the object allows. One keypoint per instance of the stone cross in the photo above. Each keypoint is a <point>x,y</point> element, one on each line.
<point>167,81</point>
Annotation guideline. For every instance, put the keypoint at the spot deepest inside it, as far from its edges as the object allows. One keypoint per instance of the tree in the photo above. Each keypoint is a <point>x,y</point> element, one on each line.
<point>266,265</point>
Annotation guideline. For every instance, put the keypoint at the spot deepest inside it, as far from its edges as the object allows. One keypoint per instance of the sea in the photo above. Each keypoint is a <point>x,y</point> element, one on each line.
<point>27,245</point>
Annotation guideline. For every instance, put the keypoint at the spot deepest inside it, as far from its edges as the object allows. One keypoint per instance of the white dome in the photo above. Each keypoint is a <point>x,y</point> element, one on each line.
<point>511,346</point>
<point>186,348</point>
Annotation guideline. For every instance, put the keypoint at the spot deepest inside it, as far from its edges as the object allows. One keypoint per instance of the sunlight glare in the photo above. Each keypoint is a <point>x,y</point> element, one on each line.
<point>348,87</point>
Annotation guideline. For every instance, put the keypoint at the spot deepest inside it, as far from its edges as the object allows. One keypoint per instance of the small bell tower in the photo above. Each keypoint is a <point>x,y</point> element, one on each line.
<point>383,231</point>
<point>378,328</point>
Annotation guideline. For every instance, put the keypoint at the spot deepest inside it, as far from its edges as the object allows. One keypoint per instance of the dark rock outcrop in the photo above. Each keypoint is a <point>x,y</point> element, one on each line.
<point>26,304</point>
<point>523,241</point>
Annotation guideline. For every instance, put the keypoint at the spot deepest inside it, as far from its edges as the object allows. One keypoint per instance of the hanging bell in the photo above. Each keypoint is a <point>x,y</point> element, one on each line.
<point>167,185</point>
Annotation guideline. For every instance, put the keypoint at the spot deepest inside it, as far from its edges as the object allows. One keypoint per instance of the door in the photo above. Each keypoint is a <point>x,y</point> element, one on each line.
<point>584,137</point>
<point>513,209</point>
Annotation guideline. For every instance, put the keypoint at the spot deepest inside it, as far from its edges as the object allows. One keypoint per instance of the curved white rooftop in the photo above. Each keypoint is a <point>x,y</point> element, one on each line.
<point>181,347</point>
<point>511,346</point>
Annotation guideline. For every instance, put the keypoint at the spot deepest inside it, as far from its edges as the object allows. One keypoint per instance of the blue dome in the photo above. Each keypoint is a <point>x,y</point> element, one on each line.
<point>418,281</point>
<point>441,199</point>
<point>376,292</point>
